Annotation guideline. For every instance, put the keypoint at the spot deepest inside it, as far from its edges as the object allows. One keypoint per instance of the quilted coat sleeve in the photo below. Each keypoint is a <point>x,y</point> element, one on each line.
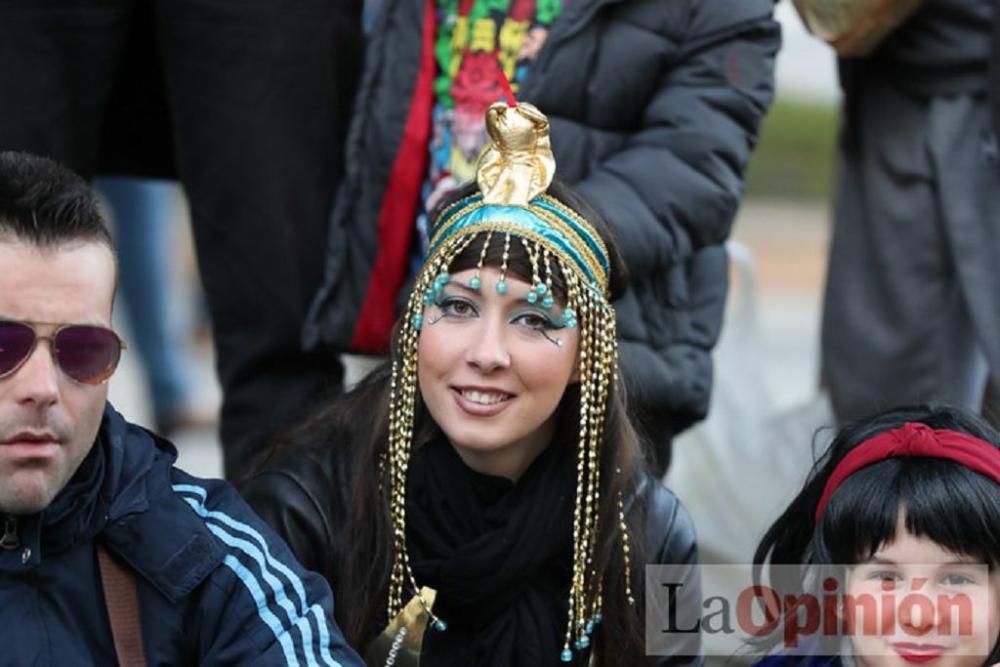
<point>681,168</point>
<point>655,109</point>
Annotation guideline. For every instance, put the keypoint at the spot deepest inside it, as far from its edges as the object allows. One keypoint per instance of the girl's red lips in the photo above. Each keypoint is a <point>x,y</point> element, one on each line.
<point>918,653</point>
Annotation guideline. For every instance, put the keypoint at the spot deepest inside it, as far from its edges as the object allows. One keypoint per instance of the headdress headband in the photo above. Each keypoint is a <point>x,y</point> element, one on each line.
<point>915,440</point>
<point>543,220</point>
<point>513,174</point>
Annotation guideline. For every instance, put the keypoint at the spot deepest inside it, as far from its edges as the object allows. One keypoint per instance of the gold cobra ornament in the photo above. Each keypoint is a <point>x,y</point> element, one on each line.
<point>517,165</point>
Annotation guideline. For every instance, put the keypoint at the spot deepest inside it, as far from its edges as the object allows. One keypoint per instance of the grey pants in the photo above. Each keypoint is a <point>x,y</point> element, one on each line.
<point>912,305</point>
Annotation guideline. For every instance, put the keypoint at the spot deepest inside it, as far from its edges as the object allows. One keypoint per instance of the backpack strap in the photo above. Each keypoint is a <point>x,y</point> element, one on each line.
<point>121,596</point>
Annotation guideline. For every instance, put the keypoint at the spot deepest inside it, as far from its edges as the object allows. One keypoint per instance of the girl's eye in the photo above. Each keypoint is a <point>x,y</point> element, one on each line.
<point>456,307</point>
<point>957,580</point>
<point>884,575</point>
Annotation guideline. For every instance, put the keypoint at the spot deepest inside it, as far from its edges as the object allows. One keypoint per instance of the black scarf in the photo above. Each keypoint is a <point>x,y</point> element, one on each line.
<point>499,554</point>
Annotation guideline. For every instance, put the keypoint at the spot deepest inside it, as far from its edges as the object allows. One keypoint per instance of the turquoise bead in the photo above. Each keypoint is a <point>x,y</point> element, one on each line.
<point>442,279</point>
<point>597,618</point>
<point>541,288</point>
<point>475,283</point>
<point>582,643</point>
<point>547,301</point>
<point>590,627</point>
<point>418,321</point>
<point>566,655</point>
<point>501,287</point>
<point>440,625</point>
<point>531,298</point>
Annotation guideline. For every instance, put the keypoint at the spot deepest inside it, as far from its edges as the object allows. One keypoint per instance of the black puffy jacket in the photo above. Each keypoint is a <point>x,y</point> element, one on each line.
<point>655,106</point>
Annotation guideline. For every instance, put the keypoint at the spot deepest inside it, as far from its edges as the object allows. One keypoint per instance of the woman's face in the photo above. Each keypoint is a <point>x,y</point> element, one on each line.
<point>932,606</point>
<point>492,370</point>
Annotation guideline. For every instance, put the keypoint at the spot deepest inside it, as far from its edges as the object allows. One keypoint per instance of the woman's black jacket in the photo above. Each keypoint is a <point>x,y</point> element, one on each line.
<point>304,498</point>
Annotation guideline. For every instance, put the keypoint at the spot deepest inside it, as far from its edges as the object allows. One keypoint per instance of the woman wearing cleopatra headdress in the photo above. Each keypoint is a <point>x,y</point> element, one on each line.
<point>481,499</point>
<point>900,525</point>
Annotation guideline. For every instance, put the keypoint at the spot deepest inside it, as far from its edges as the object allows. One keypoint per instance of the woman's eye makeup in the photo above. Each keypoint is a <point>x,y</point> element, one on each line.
<point>539,321</point>
<point>532,318</point>
<point>453,307</point>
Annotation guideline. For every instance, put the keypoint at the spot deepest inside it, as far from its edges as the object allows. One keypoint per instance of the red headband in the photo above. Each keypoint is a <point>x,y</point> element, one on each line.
<point>915,439</point>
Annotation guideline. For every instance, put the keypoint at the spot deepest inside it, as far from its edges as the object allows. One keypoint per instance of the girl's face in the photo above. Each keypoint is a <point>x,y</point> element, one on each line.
<point>492,370</point>
<point>930,606</point>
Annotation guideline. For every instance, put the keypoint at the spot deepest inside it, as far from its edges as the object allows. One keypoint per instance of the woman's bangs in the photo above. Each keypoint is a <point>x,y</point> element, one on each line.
<point>519,264</point>
<point>942,500</point>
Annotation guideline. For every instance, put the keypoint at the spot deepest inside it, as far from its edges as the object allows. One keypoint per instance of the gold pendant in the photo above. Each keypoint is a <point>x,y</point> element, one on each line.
<point>400,643</point>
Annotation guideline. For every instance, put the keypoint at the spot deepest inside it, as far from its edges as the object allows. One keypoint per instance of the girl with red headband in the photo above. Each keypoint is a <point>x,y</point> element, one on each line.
<point>897,533</point>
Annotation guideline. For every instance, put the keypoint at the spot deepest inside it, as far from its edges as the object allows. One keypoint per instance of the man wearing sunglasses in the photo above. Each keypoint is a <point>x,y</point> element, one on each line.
<point>108,554</point>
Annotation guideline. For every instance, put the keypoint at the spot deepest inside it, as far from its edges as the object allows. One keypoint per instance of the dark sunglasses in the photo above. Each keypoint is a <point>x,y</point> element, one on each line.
<point>88,354</point>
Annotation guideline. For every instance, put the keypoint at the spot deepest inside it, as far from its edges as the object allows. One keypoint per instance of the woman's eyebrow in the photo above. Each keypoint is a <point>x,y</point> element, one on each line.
<point>463,286</point>
<point>478,292</point>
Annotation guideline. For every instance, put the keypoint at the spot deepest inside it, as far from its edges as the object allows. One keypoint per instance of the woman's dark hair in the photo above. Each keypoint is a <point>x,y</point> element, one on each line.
<point>361,577</point>
<point>944,501</point>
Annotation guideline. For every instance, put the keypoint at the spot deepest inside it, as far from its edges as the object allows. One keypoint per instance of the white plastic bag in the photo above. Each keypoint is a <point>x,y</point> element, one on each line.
<point>737,470</point>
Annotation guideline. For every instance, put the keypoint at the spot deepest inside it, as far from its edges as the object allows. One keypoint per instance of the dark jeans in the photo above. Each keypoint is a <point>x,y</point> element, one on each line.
<point>258,93</point>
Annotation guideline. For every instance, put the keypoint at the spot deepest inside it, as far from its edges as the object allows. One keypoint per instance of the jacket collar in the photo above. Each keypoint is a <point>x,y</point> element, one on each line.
<point>122,495</point>
<point>77,513</point>
<point>148,526</point>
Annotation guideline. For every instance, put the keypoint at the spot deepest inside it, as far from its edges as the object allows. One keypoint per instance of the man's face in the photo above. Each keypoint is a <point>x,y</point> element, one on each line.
<point>48,422</point>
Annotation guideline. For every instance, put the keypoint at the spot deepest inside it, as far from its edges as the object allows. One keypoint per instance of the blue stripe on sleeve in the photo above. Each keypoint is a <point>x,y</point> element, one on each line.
<point>266,560</point>
<point>250,582</point>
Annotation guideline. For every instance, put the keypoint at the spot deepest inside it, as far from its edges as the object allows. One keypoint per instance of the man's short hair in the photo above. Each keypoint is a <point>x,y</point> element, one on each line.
<point>44,204</point>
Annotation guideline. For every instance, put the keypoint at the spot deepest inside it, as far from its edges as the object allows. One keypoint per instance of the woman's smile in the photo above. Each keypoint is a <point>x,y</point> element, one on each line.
<point>482,402</point>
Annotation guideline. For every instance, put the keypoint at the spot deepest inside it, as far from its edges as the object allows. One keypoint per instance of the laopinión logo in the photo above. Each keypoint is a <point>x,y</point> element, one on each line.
<point>917,611</point>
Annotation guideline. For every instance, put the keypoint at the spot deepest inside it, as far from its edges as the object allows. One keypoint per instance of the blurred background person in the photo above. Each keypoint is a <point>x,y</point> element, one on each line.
<point>911,312</point>
<point>654,106</point>
<point>247,102</point>
<point>146,215</point>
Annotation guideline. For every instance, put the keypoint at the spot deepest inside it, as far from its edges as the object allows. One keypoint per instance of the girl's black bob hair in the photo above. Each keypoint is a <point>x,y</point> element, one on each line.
<point>941,500</point>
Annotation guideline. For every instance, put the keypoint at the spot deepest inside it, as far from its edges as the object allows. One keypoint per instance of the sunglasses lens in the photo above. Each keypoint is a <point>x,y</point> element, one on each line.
<point>87,354</point>
<point>16,340</point>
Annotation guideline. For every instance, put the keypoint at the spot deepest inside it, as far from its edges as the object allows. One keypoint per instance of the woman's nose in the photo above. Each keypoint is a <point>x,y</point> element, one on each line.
<point>488,350</point>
